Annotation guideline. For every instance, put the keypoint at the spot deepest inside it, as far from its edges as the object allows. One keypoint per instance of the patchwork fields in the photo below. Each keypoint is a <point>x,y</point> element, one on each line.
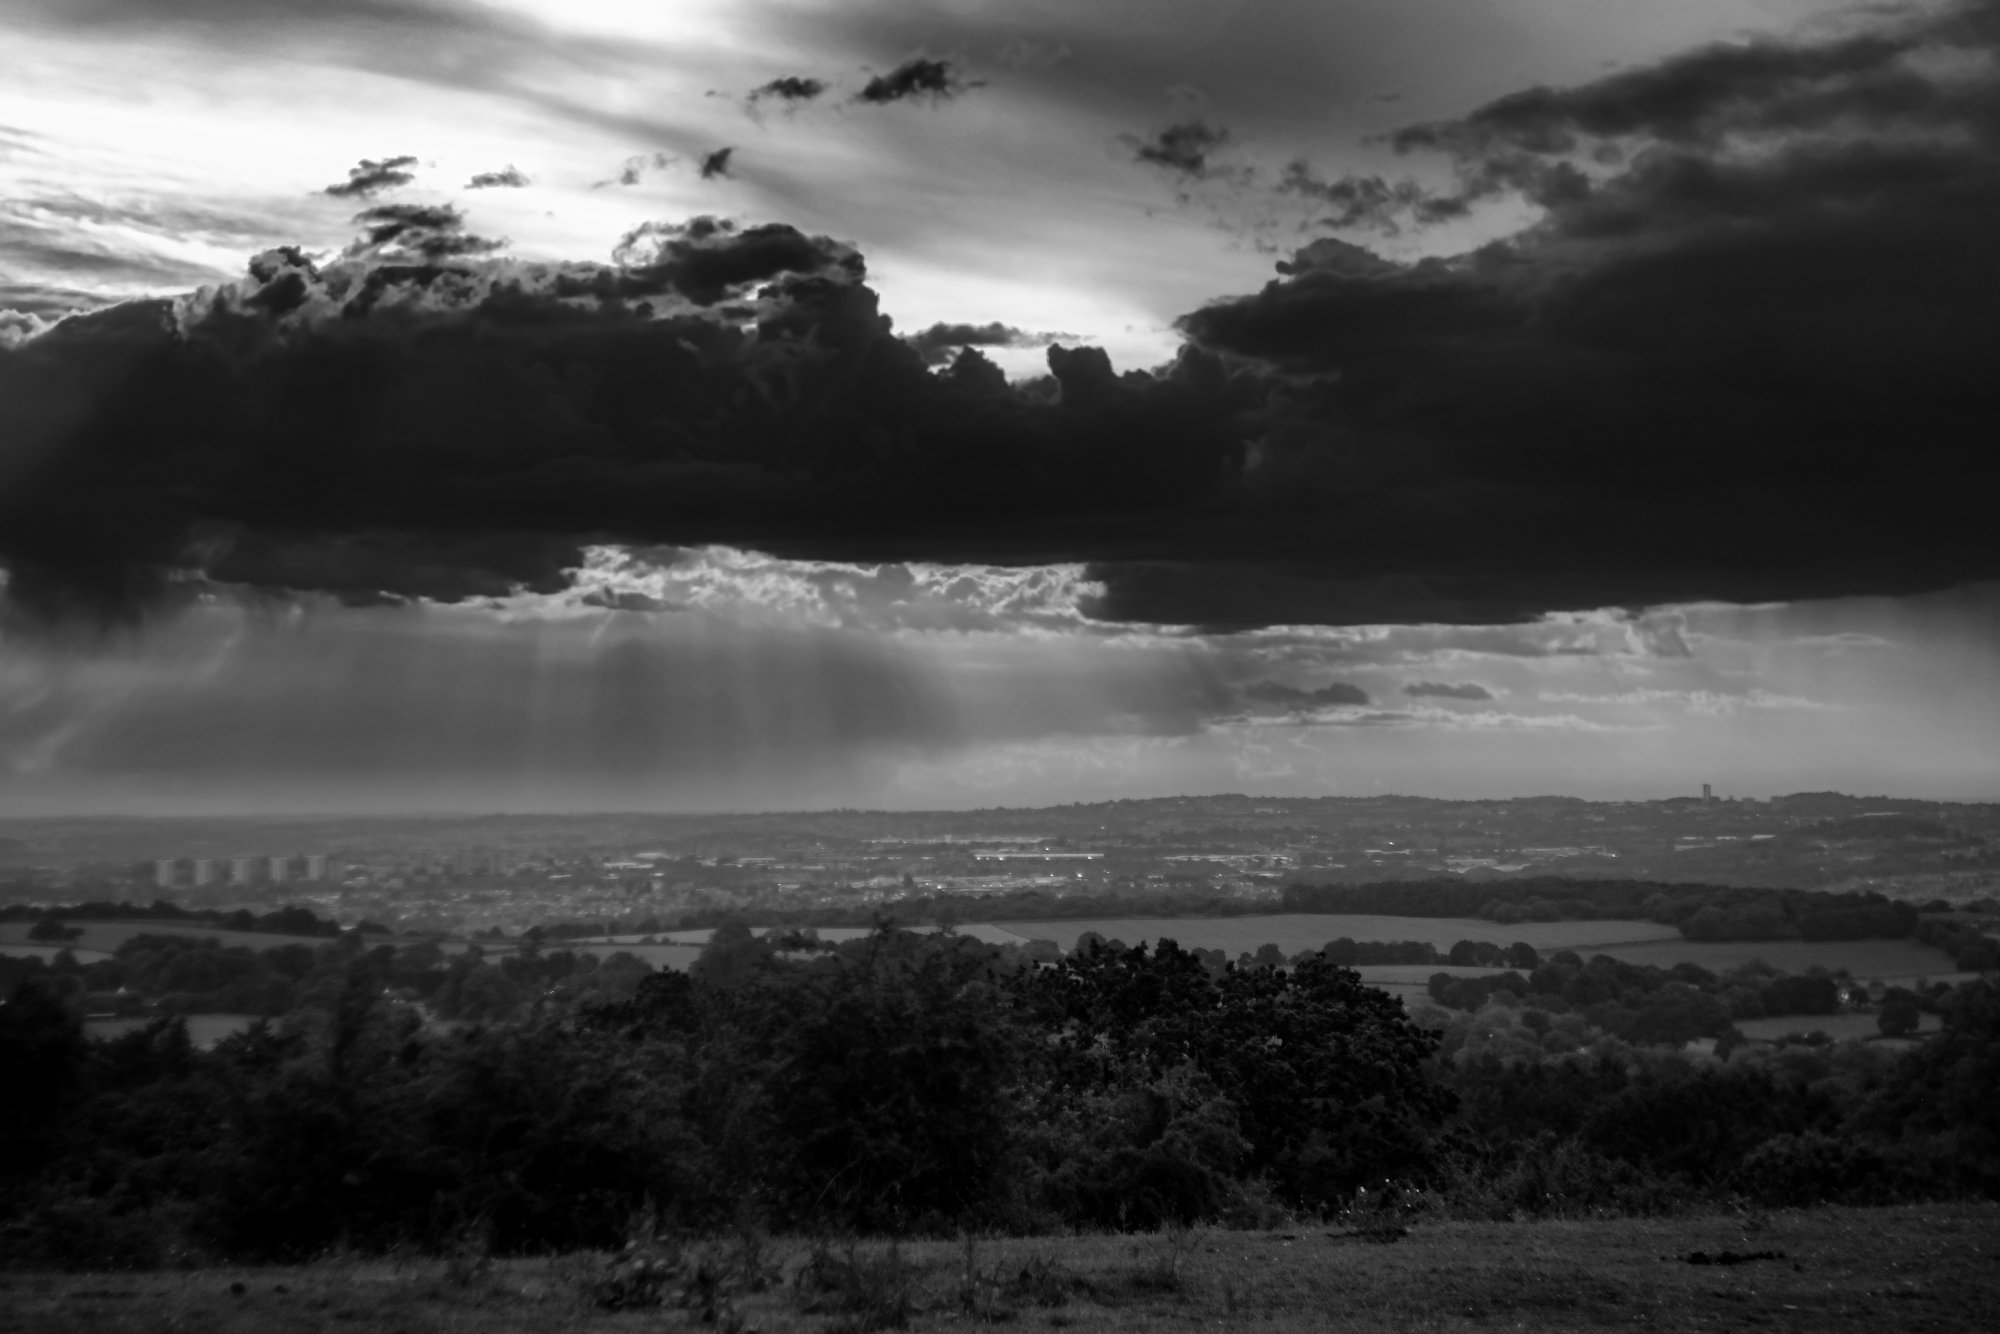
<point>1292,932</point>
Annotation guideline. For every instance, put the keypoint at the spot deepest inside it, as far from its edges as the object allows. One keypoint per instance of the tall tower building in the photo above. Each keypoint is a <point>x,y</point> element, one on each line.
<point>280,869</point>
<point>242,870</point>
<point>1706,795</point>
<point>316,866</point>
<point>204,870</point>
<point>163,873</point>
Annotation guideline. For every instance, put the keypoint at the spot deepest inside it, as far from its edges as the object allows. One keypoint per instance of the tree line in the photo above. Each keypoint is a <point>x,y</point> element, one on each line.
<point>913,1083</point>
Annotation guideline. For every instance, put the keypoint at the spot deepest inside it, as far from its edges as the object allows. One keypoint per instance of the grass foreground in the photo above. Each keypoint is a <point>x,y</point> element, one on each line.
<point>1824,1270</point>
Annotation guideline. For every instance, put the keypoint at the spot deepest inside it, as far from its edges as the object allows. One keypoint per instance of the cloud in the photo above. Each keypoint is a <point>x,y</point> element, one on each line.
<point>633,169</point>
<point>1182,147</point>
<point>1748,263</point>
<point>716,163</point>
<point>509,177</point>
<point>937,343</point>
<point>18,326</point>
<point>427,231</point>
<point>454,44</point>
<point>1367,202</point>
<point>1745,364</point>
<point>1024,53</point>
<point>789,88</point>
<point>1709,703</point>
<point>1442,690</point>
<point>1291,699</point>
<point>372,177</point>
<point>890,596</point>
<point>418,422</point>
<point>917,77</point>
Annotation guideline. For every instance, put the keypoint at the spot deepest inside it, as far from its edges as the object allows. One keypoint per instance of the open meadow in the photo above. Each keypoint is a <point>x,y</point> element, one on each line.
<point>102,939</point>
<point>1840,1027</point>
<point>204,1030</point>
<point>1828,1271</point>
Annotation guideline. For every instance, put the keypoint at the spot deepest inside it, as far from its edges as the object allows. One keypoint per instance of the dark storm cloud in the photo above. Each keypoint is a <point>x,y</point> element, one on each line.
<point>935,79</point>
<point>1446,690</point>
<point>716,164</point>
<point>355,427</point>
<point>939,342</point>
<point>371,177</point>
<point>1745,354</point>
<point>427,231</point>
<point>509,177</point>
<point>790,88</point>
<point>1544,144</point>
<point>1737,351</point>
<point>1370,202</point>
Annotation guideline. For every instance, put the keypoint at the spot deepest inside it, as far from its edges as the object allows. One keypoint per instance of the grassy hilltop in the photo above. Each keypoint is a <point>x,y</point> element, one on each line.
<point>1842,1270</point>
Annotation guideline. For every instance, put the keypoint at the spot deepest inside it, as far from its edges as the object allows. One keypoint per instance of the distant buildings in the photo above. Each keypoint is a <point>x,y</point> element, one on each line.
<point>202,872</point>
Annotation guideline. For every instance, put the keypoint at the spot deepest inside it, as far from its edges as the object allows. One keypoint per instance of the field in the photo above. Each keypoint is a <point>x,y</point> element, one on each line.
<point>1841,1027</point>
<point>679,958</point>
<point>204,1030</point>
<point>1837,1271</point>
<point>104,938</point>
<point>992,935</point>
<point>1292,932</point>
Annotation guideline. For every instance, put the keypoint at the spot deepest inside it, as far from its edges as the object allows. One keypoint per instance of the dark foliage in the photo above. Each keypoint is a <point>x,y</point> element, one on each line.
<point>900,1083</point>
<point>1702,912</point>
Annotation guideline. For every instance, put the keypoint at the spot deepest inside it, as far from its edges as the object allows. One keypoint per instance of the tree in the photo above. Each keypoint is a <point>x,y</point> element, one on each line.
<point>1979,958</point>
<point>1899,1018</point>
<point>888,1082</point>
<point>41,1049</point>
<point>51,929</point>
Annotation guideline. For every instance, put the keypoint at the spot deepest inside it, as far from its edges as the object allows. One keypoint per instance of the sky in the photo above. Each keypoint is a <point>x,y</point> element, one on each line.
<point>427,404</point>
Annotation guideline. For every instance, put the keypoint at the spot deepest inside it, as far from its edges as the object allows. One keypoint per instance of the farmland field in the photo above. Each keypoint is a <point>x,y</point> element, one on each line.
<point>992,935</point>
<point>204,1030</point>
<point>47,953</point>
<point>106,937</point>
<point>679,958</point>
<point>1292,932</point>
<point>1840,1027</point>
